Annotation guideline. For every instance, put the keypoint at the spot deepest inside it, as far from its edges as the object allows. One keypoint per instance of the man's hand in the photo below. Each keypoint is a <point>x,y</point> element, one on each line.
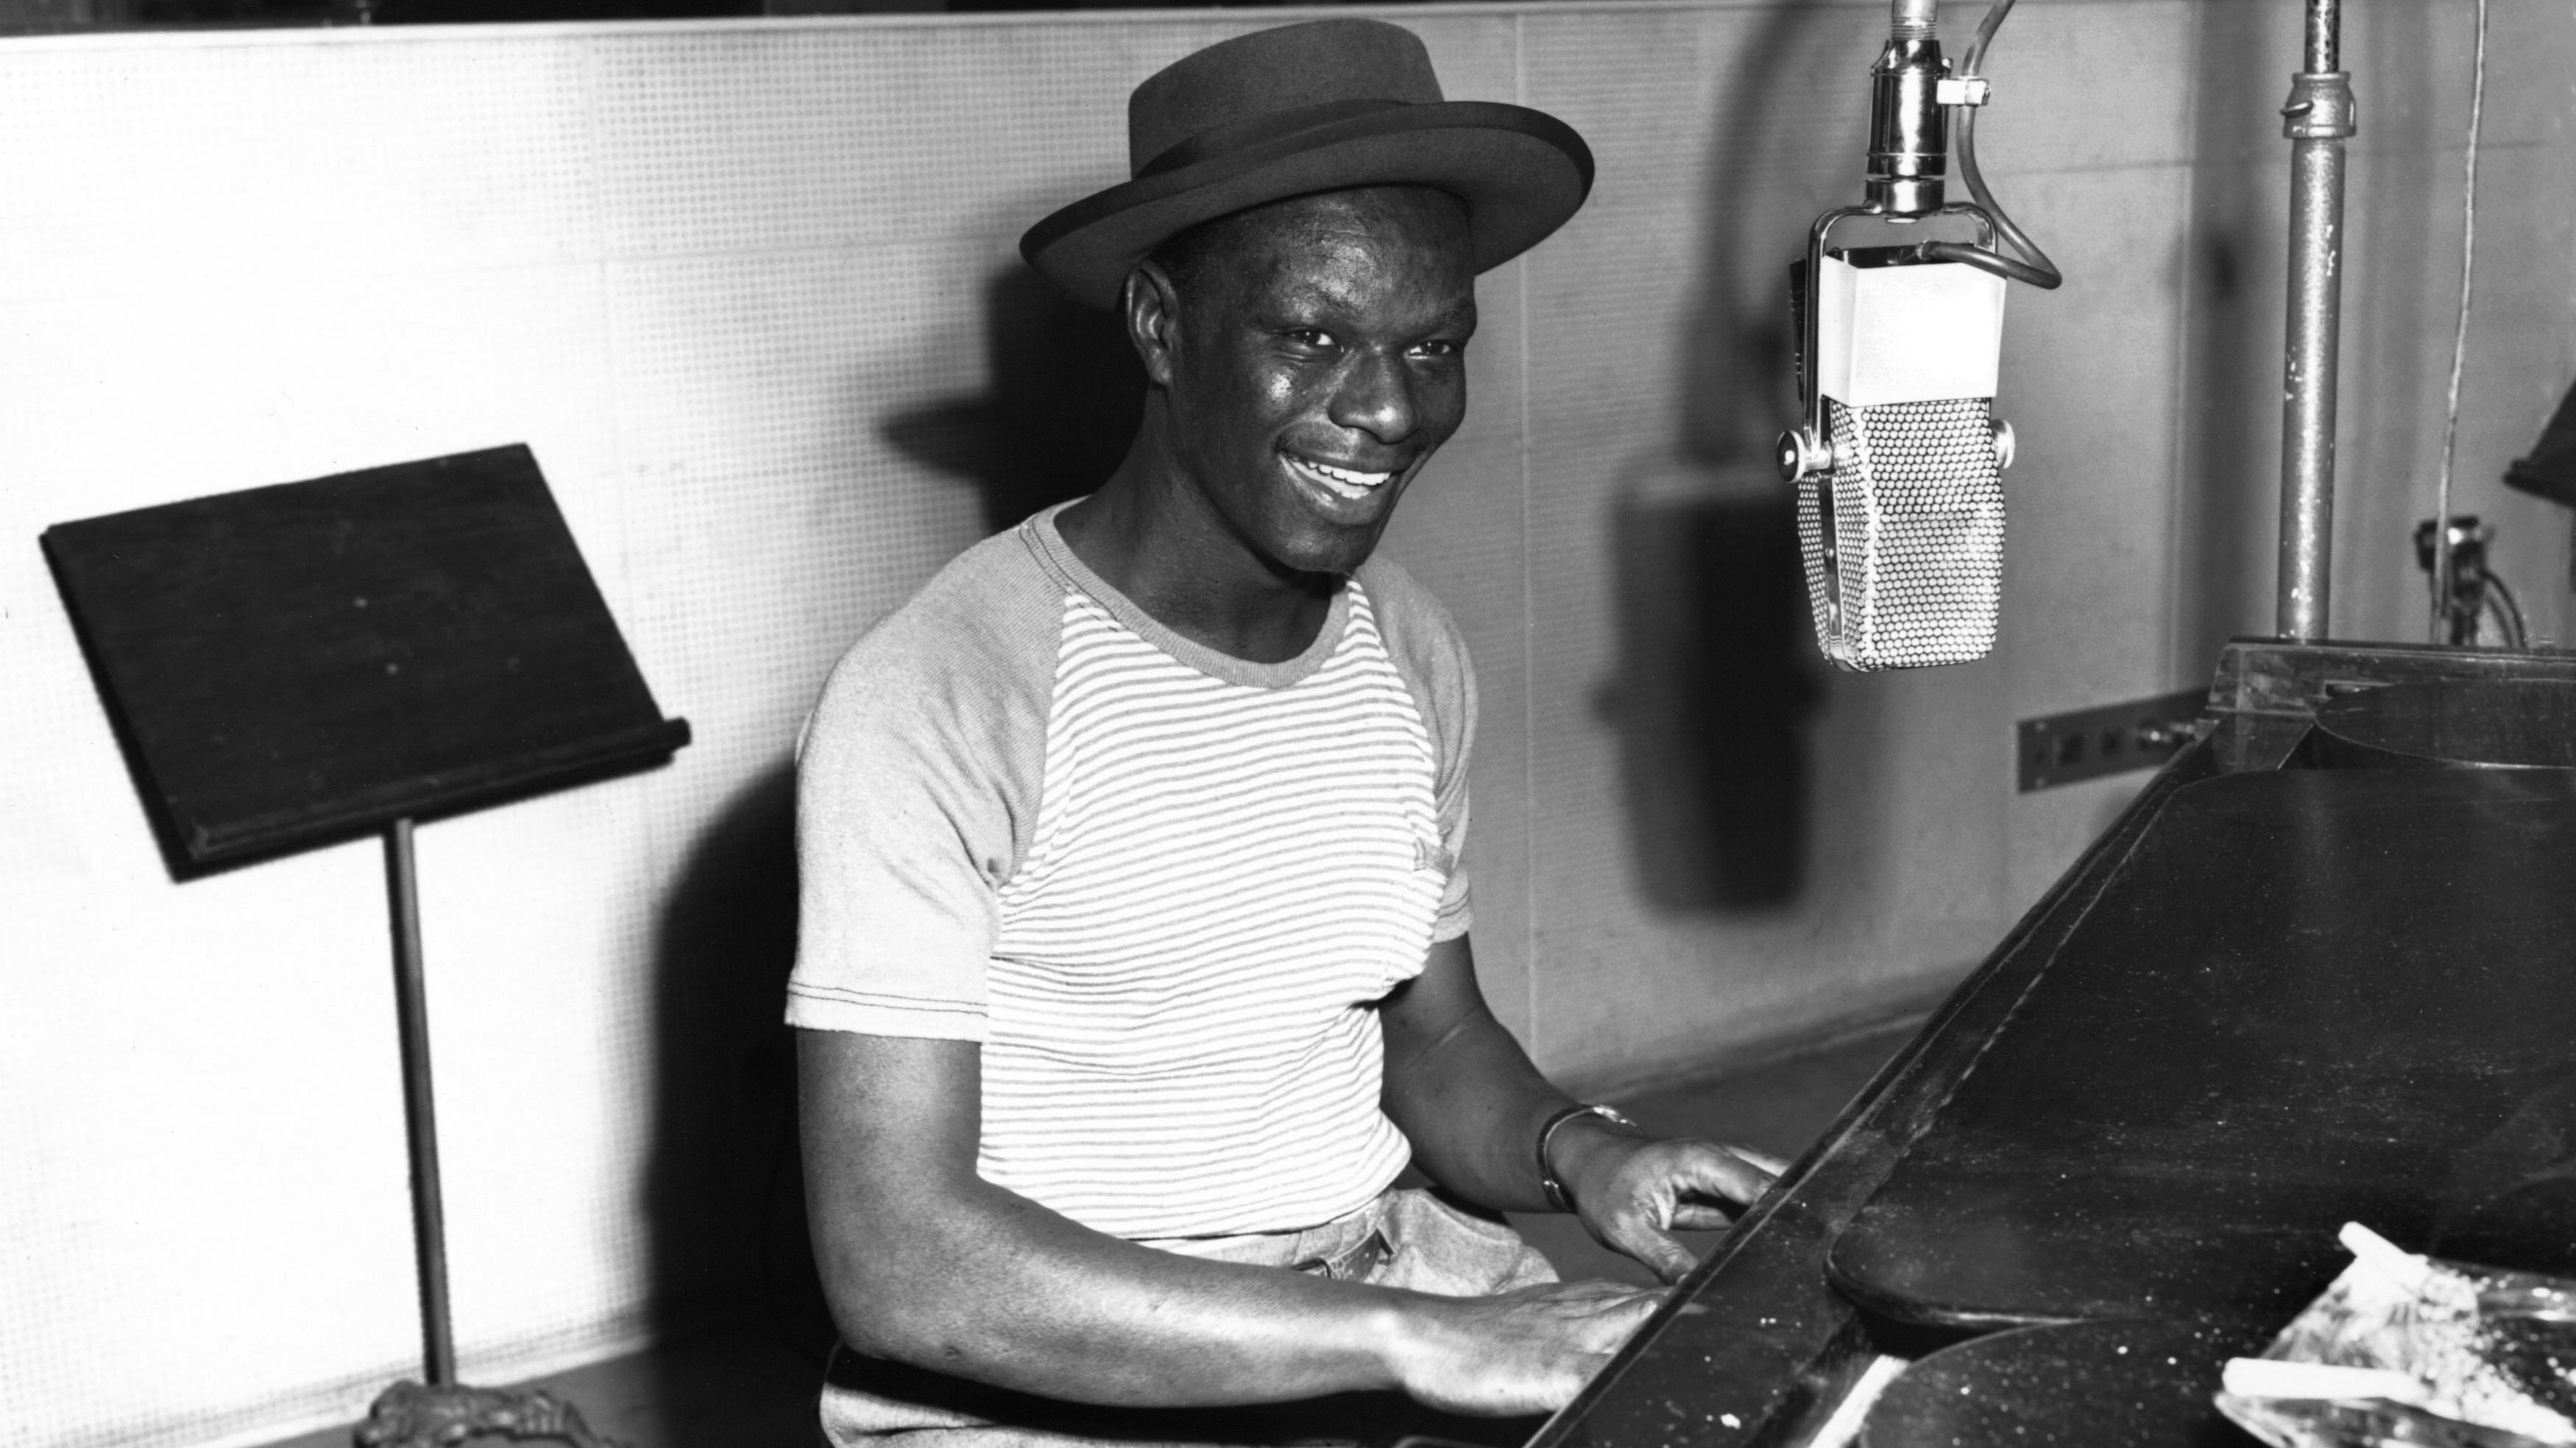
<point>1632,1193</point>
<point>1524,1352</point>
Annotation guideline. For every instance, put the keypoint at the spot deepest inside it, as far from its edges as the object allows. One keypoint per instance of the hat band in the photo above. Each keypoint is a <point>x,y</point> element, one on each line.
<point>1216,141</point>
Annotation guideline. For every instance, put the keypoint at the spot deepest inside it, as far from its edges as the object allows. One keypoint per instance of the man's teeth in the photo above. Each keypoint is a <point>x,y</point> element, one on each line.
<point>1348,482</point>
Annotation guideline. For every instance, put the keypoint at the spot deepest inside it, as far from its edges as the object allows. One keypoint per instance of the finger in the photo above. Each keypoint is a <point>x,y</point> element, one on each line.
<point>1666,1258</point>
<point>1618,1326</point>
<point>1673,1261</point>
<point>1763,1159</point>
<point>1599,1328</point>
<point>1632,1310</point>
<point>1703,1169</point>
<point>1700,1217</point>
<point>1597,1291</point>
<point>1602,1311</point>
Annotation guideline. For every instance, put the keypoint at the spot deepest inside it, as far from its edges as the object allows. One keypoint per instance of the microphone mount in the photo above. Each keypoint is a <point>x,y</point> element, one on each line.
<point>1909,132</point>
<point>1912,92</point>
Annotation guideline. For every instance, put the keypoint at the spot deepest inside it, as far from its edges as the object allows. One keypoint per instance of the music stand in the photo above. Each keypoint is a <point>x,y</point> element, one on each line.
<point>295,665</point>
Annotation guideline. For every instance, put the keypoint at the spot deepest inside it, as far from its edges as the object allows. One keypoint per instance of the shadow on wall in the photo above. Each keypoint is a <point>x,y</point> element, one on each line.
<point>1062,404</point>
<point>1718,680</point>
<point>1713,693</point>
<point>2232,341</point>
<point>723,1195</point>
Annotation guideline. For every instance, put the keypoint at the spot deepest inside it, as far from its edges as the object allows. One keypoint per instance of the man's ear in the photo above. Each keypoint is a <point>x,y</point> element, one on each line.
<point>1151,307</point>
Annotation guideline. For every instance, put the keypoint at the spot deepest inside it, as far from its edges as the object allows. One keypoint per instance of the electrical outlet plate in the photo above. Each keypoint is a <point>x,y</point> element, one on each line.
<point>2110,739</point>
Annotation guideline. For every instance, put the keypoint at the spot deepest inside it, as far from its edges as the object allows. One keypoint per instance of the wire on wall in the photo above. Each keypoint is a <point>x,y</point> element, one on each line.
<point>2460,336</point>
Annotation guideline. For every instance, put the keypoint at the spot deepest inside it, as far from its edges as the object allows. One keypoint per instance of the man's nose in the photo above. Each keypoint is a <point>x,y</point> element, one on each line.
<point>1376,397</point>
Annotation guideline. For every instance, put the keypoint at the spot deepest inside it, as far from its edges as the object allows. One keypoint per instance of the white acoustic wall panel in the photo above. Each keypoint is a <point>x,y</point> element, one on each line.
<point>229,265</point>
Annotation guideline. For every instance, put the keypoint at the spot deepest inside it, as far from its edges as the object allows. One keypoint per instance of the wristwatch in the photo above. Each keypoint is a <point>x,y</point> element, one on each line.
<point>1557,1196</point>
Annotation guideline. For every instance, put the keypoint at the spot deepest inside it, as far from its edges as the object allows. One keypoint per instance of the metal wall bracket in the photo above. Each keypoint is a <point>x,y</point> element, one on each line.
<point>2109,739</point>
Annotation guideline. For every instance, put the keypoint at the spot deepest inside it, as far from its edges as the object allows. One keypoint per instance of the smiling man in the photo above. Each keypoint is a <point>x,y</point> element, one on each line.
<point>1134,965</point>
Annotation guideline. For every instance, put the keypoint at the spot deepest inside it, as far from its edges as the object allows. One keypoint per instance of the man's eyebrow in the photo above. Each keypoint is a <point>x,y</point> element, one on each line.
<point>1461,315</point>
<point>1309,302</point>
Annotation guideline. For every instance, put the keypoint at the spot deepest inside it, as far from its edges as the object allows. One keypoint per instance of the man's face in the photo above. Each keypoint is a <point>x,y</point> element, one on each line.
<point>1318,360</point>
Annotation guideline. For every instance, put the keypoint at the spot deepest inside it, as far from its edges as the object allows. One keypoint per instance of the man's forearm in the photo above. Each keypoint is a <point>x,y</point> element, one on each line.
<point>985,1284</point>
<point>1472,1105</point>
<point>1467,1096</point>
<point>1475,1109</point>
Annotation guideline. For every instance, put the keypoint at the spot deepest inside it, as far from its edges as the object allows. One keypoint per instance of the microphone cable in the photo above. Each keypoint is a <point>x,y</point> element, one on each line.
<point>2034,268</point>
<point>2508,614</point>
<point>2460,342</point>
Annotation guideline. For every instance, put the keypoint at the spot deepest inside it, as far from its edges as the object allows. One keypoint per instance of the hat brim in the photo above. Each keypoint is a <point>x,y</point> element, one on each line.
<point>1522,173</point>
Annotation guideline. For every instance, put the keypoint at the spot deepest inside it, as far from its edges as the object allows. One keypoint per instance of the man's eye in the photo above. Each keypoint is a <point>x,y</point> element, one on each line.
<point>1439,349</point>
<point>1311,337</point>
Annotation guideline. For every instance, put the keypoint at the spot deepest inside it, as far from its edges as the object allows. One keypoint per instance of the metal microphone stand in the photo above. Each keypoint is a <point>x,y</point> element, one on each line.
<point>2318,119</point>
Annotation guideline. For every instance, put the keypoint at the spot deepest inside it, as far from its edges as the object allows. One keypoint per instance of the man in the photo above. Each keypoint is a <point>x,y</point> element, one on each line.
<point>1134,964</point>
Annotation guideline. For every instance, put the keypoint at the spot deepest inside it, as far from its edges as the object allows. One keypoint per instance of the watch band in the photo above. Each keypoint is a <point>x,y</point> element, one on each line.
<point>1557,1196</point>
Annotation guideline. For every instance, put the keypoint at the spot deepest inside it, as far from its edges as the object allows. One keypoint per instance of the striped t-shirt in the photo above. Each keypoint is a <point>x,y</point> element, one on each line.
<point>1162,886</point>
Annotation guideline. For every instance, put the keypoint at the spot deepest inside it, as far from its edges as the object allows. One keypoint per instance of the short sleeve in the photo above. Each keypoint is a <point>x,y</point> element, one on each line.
<point>915,782</point>
<point>1449,796</point>
<point>1432,656</point>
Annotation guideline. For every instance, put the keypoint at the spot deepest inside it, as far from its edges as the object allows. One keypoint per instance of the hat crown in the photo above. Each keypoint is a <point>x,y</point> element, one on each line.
<point>1322,62</point>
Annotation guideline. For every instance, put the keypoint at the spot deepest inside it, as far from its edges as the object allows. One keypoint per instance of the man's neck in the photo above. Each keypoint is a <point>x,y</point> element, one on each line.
<point>1154,538</point>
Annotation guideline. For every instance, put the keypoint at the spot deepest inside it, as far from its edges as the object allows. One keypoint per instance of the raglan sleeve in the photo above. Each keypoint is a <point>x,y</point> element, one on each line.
<point>903,838</point>
<point>1432,655</point>
<point>1451,686</point>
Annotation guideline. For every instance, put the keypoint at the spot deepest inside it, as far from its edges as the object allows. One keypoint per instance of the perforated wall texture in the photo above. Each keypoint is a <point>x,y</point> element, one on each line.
<point>749,291</point>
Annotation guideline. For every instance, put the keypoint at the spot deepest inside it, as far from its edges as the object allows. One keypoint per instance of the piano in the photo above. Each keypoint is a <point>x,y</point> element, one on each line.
<point>2322,969</point>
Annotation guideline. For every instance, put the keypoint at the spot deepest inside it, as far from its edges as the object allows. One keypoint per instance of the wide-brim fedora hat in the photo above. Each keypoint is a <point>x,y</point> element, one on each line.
<point>1322,106</point>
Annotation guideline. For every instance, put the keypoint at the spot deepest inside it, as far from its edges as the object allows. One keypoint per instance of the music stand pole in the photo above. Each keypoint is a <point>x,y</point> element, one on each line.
<point>420,1115</point>
<point>442,1410</point>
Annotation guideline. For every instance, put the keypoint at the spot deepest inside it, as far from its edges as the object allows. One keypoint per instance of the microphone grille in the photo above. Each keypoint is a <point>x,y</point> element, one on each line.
<point>1904,538</point>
